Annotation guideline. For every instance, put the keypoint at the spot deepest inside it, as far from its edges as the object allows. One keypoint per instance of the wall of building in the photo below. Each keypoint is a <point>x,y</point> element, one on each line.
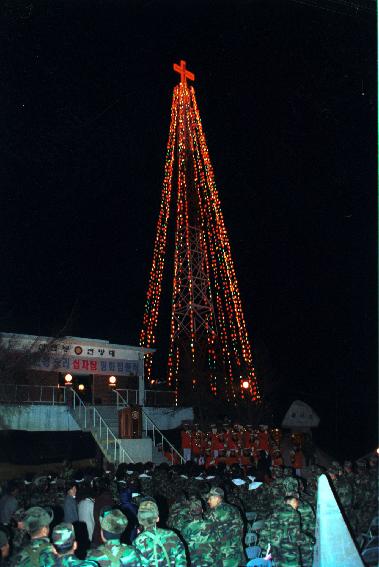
<point>37,418</point>
<point>58,417</point>
<point>169,418</point>
<point>140,450</point>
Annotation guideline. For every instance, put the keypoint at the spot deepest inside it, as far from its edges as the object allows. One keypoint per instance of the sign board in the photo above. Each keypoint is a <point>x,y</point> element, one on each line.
<point>77,355</point>
<point>92,365</point>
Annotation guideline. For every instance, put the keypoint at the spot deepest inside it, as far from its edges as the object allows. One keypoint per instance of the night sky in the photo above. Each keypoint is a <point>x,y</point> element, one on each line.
<point>287,95</point>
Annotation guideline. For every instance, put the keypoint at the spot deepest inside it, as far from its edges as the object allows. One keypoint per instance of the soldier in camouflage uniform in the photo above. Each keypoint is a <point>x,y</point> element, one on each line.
<point>363,499</point>
<point>63,538</point>
<point>198,534</point>
<point>113,553</point>
<point>37,523</point>
<point>67,471</point>
<point>179,514</point>
<point>146,483</point>
<point>283,531</point>
<point>20,537</point>
<point>276,491</point>
<point>157,547</point>
<point>343,487</point>
<point>227,528</point>
<point>312,482</point>
<point>308,521</point>
<point>373,484</point>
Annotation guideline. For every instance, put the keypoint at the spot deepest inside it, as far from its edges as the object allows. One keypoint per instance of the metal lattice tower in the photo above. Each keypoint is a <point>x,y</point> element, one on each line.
<point>209,351</point>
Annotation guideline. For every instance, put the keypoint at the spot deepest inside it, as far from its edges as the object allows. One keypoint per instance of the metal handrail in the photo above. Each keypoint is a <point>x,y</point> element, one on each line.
<point>152,397</point>
<point>15,393</point>
<point>111,439</point>
<point>121,402</point>
<point>127,392</point>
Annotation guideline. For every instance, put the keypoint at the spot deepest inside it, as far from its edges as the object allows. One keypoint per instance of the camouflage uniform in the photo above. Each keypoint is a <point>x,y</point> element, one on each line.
<point>312,483</point>
<point>20,537</point>
<point>308,522</point>
<point>29,556</point>
<point>146,483</point>
<point>283,532</point>
<point>259,502</point>
<point>202,546</point>
<point>276,490</point>
<point>227,528</point>
<point>373,486</point>
<point>35,518</point>
<point>63,538</point>
<point>113,553</point>
<point>157,547</point>
<point>179,515</point>
<point>363,500</point>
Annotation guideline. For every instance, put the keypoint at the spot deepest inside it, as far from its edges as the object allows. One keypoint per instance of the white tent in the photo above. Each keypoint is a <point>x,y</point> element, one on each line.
<point>300,416</point>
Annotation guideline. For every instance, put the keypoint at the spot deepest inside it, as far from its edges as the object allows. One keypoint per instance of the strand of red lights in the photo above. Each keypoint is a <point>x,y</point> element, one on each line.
<point>225,324</point>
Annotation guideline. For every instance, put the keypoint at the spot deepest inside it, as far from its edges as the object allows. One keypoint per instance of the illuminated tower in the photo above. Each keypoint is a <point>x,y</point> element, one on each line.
<point>209,350</point>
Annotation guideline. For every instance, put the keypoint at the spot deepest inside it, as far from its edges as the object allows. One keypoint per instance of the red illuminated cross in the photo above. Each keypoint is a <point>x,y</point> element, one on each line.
<point>184,74</point>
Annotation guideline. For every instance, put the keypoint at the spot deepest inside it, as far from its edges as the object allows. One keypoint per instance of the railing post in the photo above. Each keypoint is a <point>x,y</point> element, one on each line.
<point>154,435</point>
<point>85,418</point>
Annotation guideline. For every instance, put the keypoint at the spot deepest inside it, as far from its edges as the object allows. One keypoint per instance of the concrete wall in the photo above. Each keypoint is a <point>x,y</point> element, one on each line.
<point>37,418</point>
<point>58,418</point>
<point>169,418</point>
<point>140,450</point>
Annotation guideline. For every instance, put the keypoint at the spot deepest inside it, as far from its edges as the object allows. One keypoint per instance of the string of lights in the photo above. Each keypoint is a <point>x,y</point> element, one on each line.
<point>206,315</point>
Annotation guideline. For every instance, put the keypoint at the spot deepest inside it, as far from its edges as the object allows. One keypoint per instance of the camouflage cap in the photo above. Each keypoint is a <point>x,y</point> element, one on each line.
<point>147,512</point>
<point>63,535</point>
<point>216,491</point>
<point>361,464</point>
<point>291,485</point>
<point>37,517</point>
<point>347,464</point>
<point>19,514</point>
<point>336,465</point>
<point>113,521</point>
<point>332,469</point>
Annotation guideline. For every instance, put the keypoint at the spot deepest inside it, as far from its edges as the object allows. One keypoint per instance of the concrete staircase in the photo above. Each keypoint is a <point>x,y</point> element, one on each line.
<point>102,422</point>
<point>110,416</point>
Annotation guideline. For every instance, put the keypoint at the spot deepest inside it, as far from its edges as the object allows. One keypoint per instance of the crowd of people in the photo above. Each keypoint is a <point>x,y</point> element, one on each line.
<point>243,445</point>
<point>224,512</point>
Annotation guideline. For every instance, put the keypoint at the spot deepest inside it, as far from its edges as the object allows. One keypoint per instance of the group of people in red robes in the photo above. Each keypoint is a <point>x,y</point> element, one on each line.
<point>229,444</point>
